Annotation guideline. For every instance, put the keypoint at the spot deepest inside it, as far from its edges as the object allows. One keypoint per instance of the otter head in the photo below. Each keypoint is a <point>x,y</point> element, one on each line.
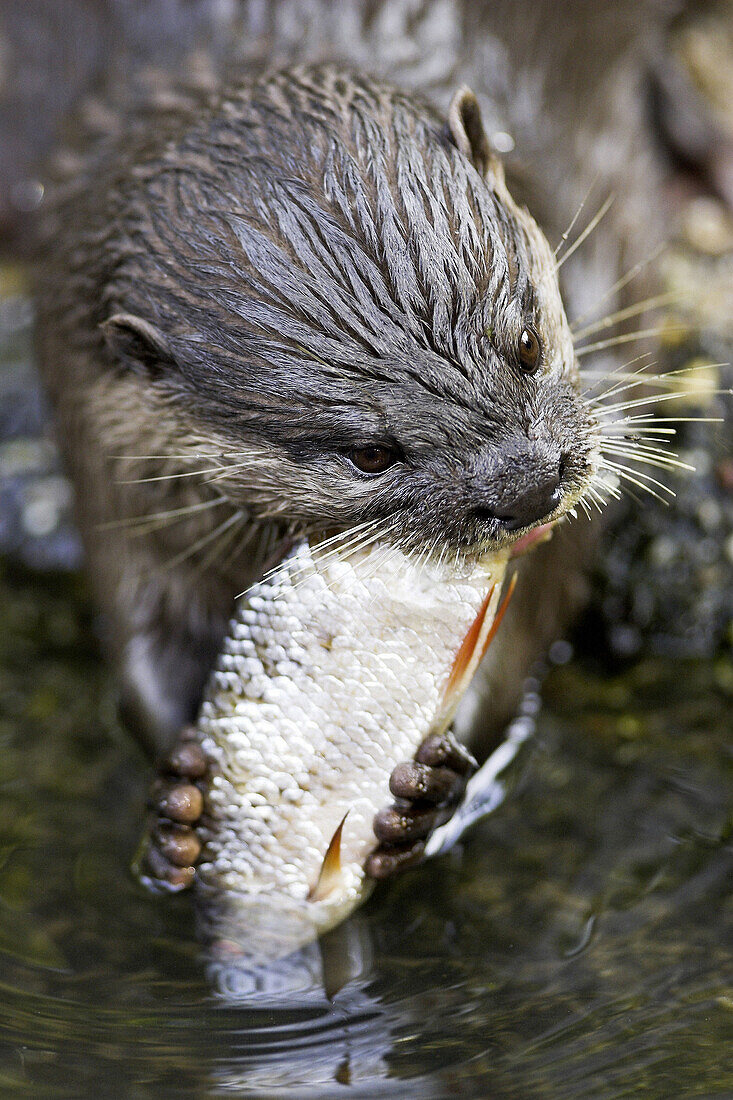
<point>331,289</point>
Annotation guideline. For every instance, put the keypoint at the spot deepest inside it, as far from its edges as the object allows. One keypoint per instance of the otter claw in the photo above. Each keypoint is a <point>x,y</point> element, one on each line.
<point>158,874</point>
<point>186,760</point>
<point>170,848</point>
<point>427,791</point>
<point>443,749</point>
<point>404,823</point>
<point>415,781</point>
<point>178,843</point>
<point>181,802</point>
<point>388,861</point>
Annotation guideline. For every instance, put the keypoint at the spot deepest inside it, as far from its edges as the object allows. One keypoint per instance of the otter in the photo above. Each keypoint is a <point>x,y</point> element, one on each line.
<point>297,297</point>
<point>337,308</point>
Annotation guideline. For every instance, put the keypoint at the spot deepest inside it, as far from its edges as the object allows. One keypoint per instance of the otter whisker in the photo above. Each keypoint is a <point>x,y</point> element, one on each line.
<point>620,284</point>
<point>219,471</point>
<point>600,483</point>
<point>650,444</point>
<point>619,429</point>
<point>169,516</point>
<point>162,477</point>
<point>652,399</point>
<point>588,230</point>
<point>359,539</point>
<point>190,551</point>
<point>424,556</point>
<point>633,476</point>
<point>595,498</point>
<point>358,544</point>
<point>634,448</point>
<point>627,337</point>
<point>576,215</point>
<point>636,378</point>
<point>377,564</point>
<point>617,490</point>
<point>601,401</point>
<point>640,377</point>
<point>349,533</point>
<point>220,456</point>
<point>625,438</point>
<point>616,377</point>
<point>630,456</point>
<point>583,504</point>
<point>340,536</point>
<point>384,529</point>
<point>646,454</point>
<point>612,463</point>
<point>641,306</point>
<point>602,374</point>
<point>227,535</point>
<point>649,421</point>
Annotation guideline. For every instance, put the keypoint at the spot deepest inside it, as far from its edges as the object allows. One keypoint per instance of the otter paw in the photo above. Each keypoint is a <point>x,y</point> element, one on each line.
<point>427,791</point>
<point>170,848</point>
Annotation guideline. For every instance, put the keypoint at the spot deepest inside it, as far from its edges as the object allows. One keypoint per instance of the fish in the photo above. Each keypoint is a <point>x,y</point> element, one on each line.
<point>335,669</point>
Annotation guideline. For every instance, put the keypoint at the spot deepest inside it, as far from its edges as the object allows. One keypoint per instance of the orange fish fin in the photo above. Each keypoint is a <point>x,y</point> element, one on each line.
<point>330,871</point>
<point>468,645</point>
<point>499,616</point>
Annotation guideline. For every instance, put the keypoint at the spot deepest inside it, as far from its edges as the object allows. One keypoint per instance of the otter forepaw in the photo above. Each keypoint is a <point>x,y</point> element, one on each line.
<point>170,848</point>
<point>427,791</point>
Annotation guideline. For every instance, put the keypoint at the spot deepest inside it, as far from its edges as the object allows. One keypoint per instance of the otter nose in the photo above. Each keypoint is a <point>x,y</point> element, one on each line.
<point>521,486</point>
<point>533,504</point>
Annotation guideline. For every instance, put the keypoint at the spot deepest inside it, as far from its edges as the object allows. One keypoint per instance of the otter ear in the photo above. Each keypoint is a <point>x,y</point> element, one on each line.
<point>466,131</point>
<point>138,343</point>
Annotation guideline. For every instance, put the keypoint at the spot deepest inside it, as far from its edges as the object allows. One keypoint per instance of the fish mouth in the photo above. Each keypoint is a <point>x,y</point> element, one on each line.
<point>514,546</point>
<point>476,555</point>
<point>532,538</point>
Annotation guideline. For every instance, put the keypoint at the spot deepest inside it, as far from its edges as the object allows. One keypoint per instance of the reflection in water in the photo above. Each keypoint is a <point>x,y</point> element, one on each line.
<point>576,945</point>
<point>325,1030</point>
<point>242,976</point>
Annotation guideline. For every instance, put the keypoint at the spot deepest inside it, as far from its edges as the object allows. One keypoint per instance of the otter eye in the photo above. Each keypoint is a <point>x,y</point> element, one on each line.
<point>373,460</point>
<point>529,350</point>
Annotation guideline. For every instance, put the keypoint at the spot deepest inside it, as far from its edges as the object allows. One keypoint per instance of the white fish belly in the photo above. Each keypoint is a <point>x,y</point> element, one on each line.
<point>333,673</point>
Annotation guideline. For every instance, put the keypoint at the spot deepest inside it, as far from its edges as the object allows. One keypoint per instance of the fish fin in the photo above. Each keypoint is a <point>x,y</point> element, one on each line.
<point>473,650</point>
<point>499,616</point>
<point>468,645</point>
<point>330,871</point>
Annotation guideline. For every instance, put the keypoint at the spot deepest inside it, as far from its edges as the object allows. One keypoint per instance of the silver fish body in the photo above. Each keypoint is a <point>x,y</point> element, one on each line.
<point>335,670</point>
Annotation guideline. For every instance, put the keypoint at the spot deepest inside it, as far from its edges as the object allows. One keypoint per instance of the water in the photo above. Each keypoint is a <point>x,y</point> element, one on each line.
<point>577,945</point>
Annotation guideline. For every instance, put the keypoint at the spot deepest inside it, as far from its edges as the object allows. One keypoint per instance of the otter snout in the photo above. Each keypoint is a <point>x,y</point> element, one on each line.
<point>522,488</point>
<point>532,505</point>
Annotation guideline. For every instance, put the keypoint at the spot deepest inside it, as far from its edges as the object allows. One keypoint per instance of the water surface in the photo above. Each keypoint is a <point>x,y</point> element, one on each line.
<point>577,945</point>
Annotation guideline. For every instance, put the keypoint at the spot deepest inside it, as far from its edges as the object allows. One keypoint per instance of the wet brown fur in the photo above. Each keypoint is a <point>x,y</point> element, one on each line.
<point>166,589</point>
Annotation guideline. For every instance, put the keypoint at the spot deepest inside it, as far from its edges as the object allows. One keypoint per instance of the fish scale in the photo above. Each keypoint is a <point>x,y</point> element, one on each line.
<point>334,671</point>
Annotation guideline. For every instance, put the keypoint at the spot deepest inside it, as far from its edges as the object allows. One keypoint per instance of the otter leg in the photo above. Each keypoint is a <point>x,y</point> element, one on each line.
<point>427,791</point>
<point>170,848</point>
